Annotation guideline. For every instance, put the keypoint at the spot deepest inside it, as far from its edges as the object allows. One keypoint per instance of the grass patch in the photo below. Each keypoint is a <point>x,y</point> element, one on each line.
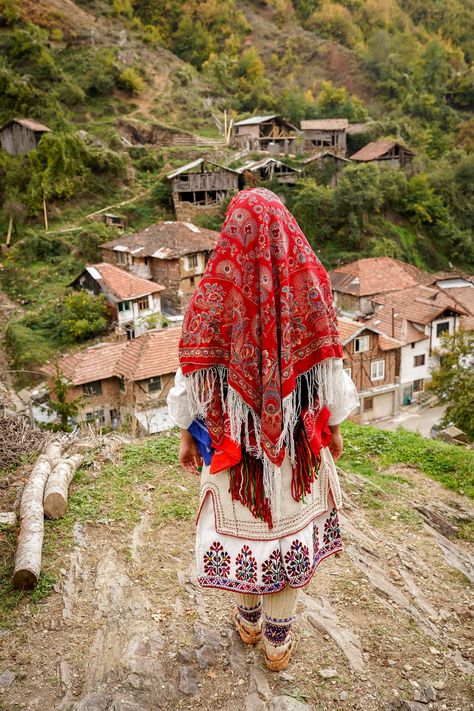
<point>368,451</point>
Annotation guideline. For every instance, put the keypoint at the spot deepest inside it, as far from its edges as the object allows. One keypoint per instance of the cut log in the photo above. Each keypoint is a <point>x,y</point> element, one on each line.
<point>55,495</point>
<point>30,540</point>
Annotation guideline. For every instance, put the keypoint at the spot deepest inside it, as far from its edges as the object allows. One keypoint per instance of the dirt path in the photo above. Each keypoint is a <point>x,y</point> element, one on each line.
<point>388,625</point>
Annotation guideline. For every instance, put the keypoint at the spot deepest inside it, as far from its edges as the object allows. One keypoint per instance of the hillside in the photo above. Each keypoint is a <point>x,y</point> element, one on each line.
<point>134,89</point>
<point>117,622</point>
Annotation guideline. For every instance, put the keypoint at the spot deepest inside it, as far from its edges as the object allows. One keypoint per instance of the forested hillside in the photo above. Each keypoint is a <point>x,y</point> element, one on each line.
<point>96,72</point>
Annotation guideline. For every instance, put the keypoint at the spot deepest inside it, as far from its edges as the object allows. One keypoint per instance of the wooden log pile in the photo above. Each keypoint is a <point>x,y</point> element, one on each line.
<point>45,492</point>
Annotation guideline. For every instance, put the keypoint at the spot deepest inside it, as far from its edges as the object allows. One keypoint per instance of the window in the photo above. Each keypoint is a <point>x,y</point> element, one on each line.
<point>130,334</point>
<point>154,384</point>
<point>368,403</point>
<point>96,416</point>
<point>442,327</point>
<point>418,385</point>
<point>361,344</point>
<point>143,304</point>
<point>121,257</point>
<point>94,388</point>
<point>419,360</point>
<point>121,380</point>
<point>192,261</point>
<point>191,281</point>
<point>377,370</point>
<point>124,306</point>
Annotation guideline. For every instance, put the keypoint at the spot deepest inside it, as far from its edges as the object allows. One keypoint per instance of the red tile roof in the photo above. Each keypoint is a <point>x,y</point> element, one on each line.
<point>155,353</point>
<point>418,304</point>
<point>121,283</point>
<point>374,275</point>
<point>166,240</point>
<point>395,325</point>
<point>349,329</point>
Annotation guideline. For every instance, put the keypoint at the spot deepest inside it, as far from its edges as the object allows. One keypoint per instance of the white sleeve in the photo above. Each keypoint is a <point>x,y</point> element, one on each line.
<point>345,398</point>
<point>177,400</point>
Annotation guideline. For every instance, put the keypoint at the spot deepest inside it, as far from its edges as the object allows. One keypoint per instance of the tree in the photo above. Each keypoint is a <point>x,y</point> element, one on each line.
<point>83,316</point>
<point>336,102</point>
<point>59,402</point>
<point>453,380</point>
<point>358,194</point>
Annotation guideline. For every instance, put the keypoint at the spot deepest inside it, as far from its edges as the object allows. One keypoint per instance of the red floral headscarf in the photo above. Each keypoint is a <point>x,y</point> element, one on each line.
<point>260,321</point>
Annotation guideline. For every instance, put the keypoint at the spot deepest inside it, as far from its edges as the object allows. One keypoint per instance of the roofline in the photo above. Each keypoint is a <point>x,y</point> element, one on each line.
<point>194,164</point>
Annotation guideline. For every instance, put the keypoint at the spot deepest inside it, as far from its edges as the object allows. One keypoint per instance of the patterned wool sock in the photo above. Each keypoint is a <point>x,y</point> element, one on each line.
<point>251,616</point>
<point>276,634</point>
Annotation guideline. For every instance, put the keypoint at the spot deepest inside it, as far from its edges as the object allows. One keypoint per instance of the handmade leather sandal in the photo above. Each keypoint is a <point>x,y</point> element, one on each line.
<point>280,662</point>
<point>248,636</point>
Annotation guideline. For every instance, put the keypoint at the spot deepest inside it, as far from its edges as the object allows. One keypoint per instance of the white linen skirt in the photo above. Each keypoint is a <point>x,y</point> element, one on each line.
<point>262,567</point>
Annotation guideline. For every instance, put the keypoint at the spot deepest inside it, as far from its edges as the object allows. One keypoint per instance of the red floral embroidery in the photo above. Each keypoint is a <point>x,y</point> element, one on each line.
<point>246,566</point>
<point>217,561</point>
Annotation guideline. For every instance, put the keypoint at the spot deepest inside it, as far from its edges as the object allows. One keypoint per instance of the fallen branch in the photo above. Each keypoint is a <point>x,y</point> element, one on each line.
<point>56,491</point>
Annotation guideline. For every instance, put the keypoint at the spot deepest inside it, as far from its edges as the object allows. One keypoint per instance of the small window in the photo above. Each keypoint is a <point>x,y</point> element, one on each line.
<point>121,257</point>
<point>124,306</point>
<point>130,334</point>
<point>192,261</point>
<point>96,416</point>
<point>121,380</point>
<point>154,384</point>
<point>418,385</point>
<point>361,344</point>
<point>419,360</point>
<point>143,304</point>
<point>368,403</point>
<point>377,370</point>
<point>442,327</point>
<point>94,388</point>
<point>191,281</point>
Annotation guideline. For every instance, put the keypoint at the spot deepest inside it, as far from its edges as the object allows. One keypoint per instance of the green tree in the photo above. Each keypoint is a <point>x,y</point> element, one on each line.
<point>336,102</point>
<point>313,208</point>
<point>453,380</point>
<point>191,41</point>
<point>59,401</point>
<point>83,316</point>
<point>357,195</point>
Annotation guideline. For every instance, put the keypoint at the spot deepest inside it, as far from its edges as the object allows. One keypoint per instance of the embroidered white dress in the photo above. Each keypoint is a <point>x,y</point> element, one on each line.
<point>234,550</point>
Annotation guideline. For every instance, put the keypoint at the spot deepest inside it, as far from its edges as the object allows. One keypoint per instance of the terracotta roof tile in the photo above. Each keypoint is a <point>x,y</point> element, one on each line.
<point>166,240</point>
<point>349,329</point>
<point>95,363</point>
<point>418,304</point>
<point>376,149</point>
<point>374,275</point>
<point>395,326</point>
<point>121,283</point>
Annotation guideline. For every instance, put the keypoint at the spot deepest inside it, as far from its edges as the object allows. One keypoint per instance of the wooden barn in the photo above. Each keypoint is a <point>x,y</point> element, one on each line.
<point>20,136</point>
<point>266,133</point>
<point>269,169</point>
<point>202,185</point>
<point>325,134</point>
<point>326,166</point>
<point>386,153</point>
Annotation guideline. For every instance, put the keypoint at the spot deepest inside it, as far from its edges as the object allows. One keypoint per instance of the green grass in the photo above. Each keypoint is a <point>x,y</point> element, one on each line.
<point>368,451</point>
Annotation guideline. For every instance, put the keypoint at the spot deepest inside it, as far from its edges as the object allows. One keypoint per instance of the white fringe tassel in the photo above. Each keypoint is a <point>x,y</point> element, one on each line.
<point>320,388</point>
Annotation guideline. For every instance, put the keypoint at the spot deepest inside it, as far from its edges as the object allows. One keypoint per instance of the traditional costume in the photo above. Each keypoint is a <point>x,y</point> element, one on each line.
<point>261,381</point>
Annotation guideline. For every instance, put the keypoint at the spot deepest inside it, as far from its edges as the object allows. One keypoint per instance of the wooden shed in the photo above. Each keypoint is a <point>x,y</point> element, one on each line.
<point>387,153</point>
<point>202,184</point>
<point>269,169</point>
<point>325,134</point>
<point>266,133</point>
<point>326,166</point>
<point>19,136</point>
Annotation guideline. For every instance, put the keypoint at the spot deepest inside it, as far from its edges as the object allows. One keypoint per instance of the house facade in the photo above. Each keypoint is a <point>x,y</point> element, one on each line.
<point>114,381</point>
<point>201,186</point>
<point>372,360</point>
<point>173,254</point>
<point>266,133</point>
<point>135,303</point>
<point>326,166</point>
<point>325,134</point>
<point>255,171</point>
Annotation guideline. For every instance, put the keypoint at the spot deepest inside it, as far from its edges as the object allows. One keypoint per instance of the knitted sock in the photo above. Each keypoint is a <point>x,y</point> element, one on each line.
<point>250,609</point>
<point>279,617</point>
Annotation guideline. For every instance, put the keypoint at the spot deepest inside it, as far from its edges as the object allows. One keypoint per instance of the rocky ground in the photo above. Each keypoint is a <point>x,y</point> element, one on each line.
<point>388,625</point>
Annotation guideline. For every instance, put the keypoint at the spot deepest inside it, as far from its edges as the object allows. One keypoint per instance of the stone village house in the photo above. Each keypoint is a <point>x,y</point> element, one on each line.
<point>122,379</point>
<point>133,301</point>
<point>173,254</point>
<point>372,360</point>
